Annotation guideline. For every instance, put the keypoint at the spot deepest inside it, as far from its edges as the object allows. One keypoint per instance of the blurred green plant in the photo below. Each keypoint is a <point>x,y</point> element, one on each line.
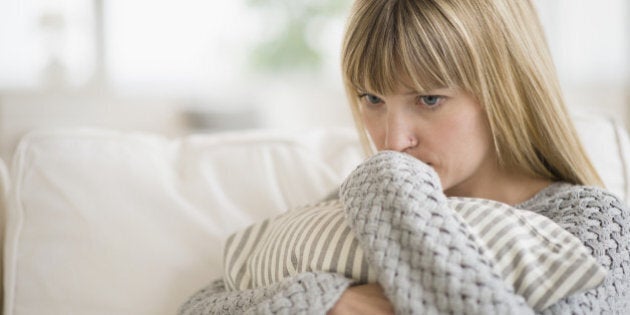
<point>290,50</point>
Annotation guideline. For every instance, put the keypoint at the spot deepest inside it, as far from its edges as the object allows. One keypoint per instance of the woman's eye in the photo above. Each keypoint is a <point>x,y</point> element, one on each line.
<point>371,99</point>
<point>430,100</point>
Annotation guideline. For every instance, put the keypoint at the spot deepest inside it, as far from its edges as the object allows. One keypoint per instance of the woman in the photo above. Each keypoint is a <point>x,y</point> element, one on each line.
<point>467,88</point>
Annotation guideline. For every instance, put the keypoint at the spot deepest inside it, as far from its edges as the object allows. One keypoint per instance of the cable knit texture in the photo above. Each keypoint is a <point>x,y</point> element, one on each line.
<point>427,259</point>
<point>602,222</point>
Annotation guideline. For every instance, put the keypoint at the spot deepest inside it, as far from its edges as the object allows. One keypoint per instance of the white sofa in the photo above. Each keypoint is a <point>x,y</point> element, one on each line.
<point>106,222</point>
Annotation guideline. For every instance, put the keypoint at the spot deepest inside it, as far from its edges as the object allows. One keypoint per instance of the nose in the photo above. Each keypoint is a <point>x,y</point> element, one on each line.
<point>400,135</point>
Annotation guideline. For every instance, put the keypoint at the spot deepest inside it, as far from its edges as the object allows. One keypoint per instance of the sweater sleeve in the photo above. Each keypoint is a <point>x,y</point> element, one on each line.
<point>602,222</point>
<point>305,293</point>
<point>427,259</point>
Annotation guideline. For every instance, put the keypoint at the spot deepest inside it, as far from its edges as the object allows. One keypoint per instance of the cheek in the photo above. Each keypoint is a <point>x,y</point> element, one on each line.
<point>375,129</point>
<point>464,137</point>
<point>461,143</point>
<point>451,134</point>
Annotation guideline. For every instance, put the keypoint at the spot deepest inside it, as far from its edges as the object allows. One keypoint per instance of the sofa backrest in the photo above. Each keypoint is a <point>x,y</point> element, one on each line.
<point>607,144</point>
<point>102,222</point>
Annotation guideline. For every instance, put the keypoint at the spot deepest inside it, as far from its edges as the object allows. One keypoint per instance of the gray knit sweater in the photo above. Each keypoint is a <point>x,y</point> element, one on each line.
<point>425,257</point>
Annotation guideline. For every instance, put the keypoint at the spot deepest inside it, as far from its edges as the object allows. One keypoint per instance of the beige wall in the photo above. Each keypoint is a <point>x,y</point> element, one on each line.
<point>287,105</point>
<point>610,100</point>
<point>21,113</point>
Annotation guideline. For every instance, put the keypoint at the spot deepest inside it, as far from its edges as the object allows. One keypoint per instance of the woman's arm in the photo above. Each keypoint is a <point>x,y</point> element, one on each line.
<point>306,293</point>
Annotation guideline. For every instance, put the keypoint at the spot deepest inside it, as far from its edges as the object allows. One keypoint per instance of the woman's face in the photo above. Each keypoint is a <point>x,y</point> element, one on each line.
<point>446,128</point>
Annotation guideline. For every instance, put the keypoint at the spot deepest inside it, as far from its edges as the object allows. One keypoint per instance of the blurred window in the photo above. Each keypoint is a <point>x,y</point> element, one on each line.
<point>45,42</point>
<point>193,47</point>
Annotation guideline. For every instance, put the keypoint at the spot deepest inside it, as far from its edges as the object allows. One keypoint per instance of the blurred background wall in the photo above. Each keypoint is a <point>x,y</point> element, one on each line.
<point>181,66</point>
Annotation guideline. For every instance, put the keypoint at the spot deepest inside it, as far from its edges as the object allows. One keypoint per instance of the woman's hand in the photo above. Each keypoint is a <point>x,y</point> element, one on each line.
<point>363,299</point>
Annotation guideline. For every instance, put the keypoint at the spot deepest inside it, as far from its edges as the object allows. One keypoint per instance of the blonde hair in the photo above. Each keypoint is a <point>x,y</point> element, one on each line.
<point>493,49</point>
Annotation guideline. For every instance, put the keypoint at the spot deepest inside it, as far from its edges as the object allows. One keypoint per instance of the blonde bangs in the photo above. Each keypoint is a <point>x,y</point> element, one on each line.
<point>394,44</point>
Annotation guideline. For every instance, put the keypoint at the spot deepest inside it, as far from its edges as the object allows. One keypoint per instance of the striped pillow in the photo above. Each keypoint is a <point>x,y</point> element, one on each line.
<point>543,262</point>
<point>309,238</point>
